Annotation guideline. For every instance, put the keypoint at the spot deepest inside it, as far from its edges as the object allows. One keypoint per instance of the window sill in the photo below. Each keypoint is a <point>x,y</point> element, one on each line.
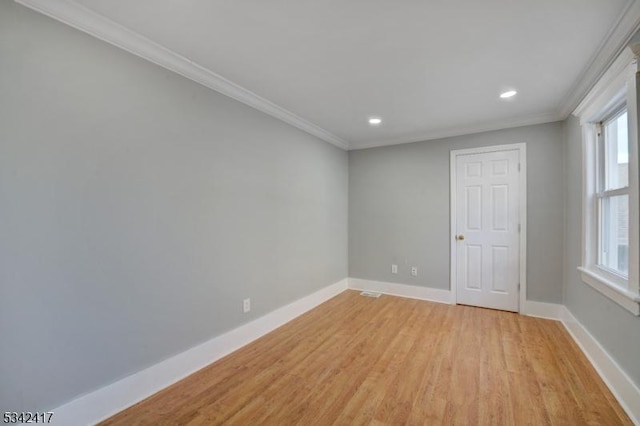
<point>622,297</point>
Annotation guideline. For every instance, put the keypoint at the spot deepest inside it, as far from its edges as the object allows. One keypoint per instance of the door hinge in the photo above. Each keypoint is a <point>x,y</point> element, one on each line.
<point>519,227</point>
<point>518,286</point>
<point>518,166</point>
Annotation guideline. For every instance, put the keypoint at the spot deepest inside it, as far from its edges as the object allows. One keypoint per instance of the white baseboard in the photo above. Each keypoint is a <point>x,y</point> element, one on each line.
<point>103,403</point>
<point>622,387</point>
<point>552,311</point>
<point>625,391</point>
<point>402,290</point>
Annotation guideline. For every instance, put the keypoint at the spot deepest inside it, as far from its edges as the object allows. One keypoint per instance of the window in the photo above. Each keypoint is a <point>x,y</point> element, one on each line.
<point>613,194</point>
<point>608,117</point>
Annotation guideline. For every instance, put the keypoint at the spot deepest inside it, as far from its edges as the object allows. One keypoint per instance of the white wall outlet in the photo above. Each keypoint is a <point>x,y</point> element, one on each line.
<point>246,305</point>
<point>394,269</point>
<point>414,271</point>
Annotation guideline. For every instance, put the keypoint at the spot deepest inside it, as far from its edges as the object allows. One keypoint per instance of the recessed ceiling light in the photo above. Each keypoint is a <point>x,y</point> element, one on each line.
<point>508,94</point>
<point>374,121</point>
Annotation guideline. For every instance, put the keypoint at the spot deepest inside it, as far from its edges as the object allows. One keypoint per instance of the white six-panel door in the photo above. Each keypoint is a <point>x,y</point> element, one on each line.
<point>487,229</point>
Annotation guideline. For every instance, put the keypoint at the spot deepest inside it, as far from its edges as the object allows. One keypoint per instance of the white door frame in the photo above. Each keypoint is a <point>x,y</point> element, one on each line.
<point>522,202</point>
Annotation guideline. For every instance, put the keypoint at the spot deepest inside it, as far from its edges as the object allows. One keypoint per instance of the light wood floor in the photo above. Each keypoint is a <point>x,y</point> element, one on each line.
<point>358,360</point>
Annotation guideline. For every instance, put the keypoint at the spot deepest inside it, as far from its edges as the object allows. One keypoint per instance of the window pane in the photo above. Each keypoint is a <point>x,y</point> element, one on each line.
<point>614,233</point>
<point>616,153</point>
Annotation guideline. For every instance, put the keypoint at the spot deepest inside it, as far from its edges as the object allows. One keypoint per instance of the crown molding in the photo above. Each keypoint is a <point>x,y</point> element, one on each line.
<point>462,130</point>
<point>96,25</point>
<point>92,23</point>
<point>627,24</point>
<point>609,89</point>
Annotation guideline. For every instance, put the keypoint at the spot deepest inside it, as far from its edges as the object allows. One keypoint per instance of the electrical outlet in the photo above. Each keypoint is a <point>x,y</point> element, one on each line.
<point>246,305</point>
<point>414,271</point>
<point>394,269</point>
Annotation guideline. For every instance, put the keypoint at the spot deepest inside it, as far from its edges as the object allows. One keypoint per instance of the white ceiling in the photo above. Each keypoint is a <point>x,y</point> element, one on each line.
<point>428,68</point>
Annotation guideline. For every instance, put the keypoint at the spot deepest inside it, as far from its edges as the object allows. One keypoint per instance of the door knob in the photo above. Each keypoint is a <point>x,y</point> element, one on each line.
<point>460,237</point>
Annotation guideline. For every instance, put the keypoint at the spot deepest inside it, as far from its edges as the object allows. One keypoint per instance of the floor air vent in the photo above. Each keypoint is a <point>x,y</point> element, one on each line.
<point>370,294</point>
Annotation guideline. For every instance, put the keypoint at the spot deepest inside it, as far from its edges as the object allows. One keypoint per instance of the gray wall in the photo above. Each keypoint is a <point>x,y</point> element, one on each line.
<point>617,330</point>
<point>138,209</point>
<point>399,209</point>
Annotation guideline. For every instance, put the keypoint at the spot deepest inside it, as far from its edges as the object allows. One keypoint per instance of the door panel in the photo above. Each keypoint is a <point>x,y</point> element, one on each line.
<point>487,234</point>
<point>474,211</point>
<point>474,267</point>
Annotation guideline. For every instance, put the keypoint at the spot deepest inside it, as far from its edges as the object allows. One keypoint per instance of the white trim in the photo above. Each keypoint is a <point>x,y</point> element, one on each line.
<point>102,403</point>
<point>617,85</point>
<point>621,296</point>
<point>111,399</point>
<point>86,20</point>
<point>401,290</point>
<point>461,130</point>
<point>622,387</point>
<point>633,97</point>
<point>522,148</point>
<point>90,22</point>
<point>627,24</point>
<point>545,310</point>
<point>608,92</point>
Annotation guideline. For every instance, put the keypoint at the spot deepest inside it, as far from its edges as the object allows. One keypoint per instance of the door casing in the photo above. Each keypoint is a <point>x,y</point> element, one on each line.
<point>522,148</point>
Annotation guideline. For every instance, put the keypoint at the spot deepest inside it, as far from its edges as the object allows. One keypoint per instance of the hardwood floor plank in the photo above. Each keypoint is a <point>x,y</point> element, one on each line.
<point>357,360</point>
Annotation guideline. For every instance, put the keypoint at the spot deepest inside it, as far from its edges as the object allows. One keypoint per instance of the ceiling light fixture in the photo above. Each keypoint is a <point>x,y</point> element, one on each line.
<point>374,121</point>
<point>508,94</point>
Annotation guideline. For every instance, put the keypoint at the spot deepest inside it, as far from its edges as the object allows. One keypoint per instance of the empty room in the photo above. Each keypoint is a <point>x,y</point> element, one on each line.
<point>319,212</point>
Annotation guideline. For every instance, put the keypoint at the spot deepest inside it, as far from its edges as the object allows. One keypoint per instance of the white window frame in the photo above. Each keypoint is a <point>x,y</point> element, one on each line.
<point>617,87</point>
<point>603,193</point>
